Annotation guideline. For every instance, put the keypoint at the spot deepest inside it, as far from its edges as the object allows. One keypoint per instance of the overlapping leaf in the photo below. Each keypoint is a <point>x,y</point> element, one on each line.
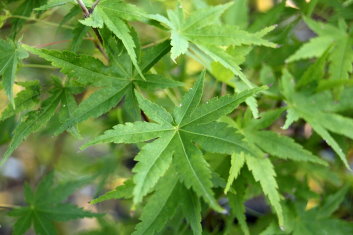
<point>33,122</point>
<point>115,82</point>
<point>303,221</point>
<point>201,33</point>
<point>175,144</point>
<point>11,54</point>
<point>300,106</point>
<point>336,40</point>
<point>113,14</point>
<point>41,211</point>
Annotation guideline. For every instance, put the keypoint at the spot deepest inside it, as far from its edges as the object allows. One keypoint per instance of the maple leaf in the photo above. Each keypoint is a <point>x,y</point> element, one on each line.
<point>164,204</point>
<point>11,54</point>
<point>190,123</point>
<point>120,192</point>
<point>113,14</point>
<point>52,3</point>
<point>336,40</point>
<point>114,82</point>
<point>263,172</point>
<point>24,100</point>
<point>33,122</point>
<point>275,144</point>
<point>300,220</point>
<point>42,211</point>
<point>302,106</point>
<point>25,9</point>
<point>201,33</point>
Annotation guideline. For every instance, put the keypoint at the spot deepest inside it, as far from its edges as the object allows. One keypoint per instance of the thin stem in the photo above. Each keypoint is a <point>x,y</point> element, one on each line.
<point>95,4</point>
<point>42,66</point>
<point>62,41</point>
<point>87,13</point>
<point>154,43</point>
<point>224,89</point>
<point>84,8</point>
<point>53,43</point>
<point>41,21</point>
<point>98,44</point>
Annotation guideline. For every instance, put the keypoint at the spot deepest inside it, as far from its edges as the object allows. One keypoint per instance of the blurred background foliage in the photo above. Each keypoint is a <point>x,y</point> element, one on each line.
<point>108,166</point>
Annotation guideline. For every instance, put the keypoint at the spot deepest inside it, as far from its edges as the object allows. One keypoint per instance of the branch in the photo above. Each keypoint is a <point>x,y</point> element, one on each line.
<point>94,5</point>
<point>86,14</point>
<point>84,8</point>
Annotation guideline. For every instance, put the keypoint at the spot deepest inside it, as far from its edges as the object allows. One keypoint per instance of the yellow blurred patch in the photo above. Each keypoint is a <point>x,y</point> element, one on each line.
<point>4,101</point>
<point>6,199</point>
<point>192,66</point>
<point>311,204</point>
<point>315,186</point>
<point>264,5</point>
<point>116,182</point>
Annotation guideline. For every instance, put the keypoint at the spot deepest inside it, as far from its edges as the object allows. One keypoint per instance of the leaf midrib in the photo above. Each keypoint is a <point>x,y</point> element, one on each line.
<point>205,194</point>
<point>214,137</point>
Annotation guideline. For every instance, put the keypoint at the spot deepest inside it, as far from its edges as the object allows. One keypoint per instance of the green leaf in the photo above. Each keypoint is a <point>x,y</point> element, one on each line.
<point>153,161</point>
<point>292,116</point>
<point>216,137</point>
<point>218,107</point>
<point>262,170</point>
<point>51,4</point>
<point>329,140</point>
<point>113,13</point>
<point>68,108</point>
<point>238,13</point>
<point>320,120</point>
<point>25,9</point>
<point>336,123</point>
<point>237,203</point>
<point>151,55</point>
<point>205,16</point>
<point>282,146</point>
<point>315,72</point>
<point>155,81</point>
<point>161,207</point>
<point>42,224</point>
<point>131,133</point>
<point>124,191</point>
<point>114,82</point>
<point>332,202</point>
<point>154,111</point>
<point>79,33</point>
<point>314,48</point>
<point>85,69</point>
<point>23,223</point>
<point>194,171</point>
<point>237,162</point>
<point>34,121</point>
<point>332,38</point>
<point>227,35</point>
<point>180,45</point>
<point>24,100</point>
<point>190,100</point>
<point>174,146</point>
<point>65,212</point>
<point>11,55</point>
<point>95,105</point>
<point>41,212</point>
<point>201,34</point>
<point>341,59</point>
<point>191,210</point>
